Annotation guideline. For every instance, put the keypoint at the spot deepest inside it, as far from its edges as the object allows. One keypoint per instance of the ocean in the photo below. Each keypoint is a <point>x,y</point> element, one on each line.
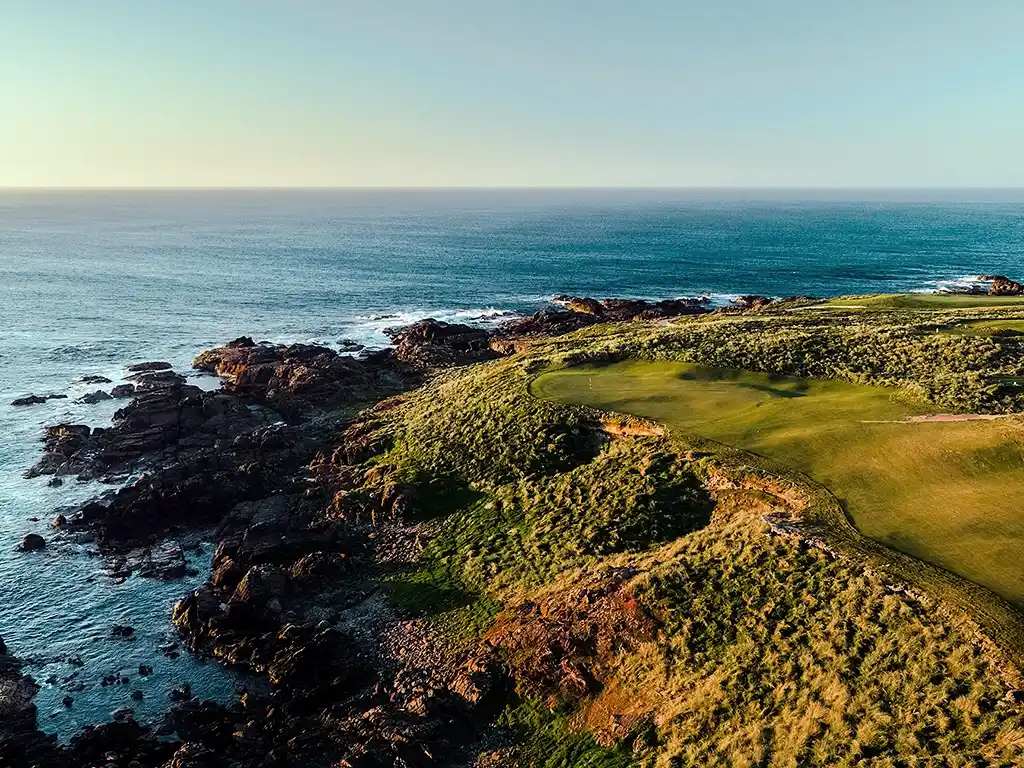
<point>93,281</point>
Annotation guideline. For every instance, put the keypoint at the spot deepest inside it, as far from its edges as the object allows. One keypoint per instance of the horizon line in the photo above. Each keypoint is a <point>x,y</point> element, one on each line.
<point>539,187</point>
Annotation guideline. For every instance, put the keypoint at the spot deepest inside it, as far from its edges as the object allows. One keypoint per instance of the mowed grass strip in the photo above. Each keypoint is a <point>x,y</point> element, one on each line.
<point>950,493</point>
<point>924,301</point>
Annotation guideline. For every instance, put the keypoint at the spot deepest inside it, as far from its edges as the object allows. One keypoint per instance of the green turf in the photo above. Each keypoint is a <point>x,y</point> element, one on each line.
<point>948,493</point>
<point>925,301</point>
<point>987,327</point>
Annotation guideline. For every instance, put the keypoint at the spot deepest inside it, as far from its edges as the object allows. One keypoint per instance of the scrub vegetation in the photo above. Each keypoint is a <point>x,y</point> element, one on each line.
<point>696,594</point>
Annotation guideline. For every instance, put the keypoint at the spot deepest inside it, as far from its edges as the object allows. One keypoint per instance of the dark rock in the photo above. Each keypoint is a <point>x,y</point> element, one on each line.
<point>181,693</point>
<point>93,379</point>
<point>297,378</point>
<point>55,482</point>
<point>67,701</point>
<point>36,399</point>
<point>123,631</point>
<point>32,542</point>
<point>94,397</point>
<point>165,560</point>
<point>145,670</point>
<point>434,344</point>
<point>123,390</point>
<point>348,345</point>
<point>151,366</point>
<point>138,695</point>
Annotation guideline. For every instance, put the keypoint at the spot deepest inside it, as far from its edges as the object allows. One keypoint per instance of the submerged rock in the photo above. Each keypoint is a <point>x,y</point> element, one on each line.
<point>36,399</point>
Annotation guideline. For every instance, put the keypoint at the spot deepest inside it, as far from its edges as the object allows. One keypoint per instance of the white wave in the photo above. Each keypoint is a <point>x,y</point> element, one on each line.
<point>957,283</point>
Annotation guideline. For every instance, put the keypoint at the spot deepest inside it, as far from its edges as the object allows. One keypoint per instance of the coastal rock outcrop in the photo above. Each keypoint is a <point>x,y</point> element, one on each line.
<point>435,344</point>
<point>300,377</point>
<point>1001,285</point>
<point>20,741</point>
<point>581,312</point>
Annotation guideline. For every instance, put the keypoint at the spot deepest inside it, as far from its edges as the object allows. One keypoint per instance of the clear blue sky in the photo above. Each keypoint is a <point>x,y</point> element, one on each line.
<point>512,93</point>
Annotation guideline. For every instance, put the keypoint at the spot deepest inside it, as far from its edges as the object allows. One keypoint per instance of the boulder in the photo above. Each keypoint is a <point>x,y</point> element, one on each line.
<point>123,390</point>
<point>434,344</point>
<point>1001,285</point>
<point>752,301</point>
<point>150,366</point>
<point>32,542</point>
<point>94,397</point>
<point>92,379</point>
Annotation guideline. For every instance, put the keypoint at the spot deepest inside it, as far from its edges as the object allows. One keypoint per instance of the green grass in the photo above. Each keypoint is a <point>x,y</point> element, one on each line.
<point>987,327</point>
<point>947,493</point>
<point>820,649</point>
<point>547,740</point>
<point>925,301</point>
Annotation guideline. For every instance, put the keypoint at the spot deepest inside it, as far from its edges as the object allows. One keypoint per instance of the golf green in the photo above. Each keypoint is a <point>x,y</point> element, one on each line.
<point>950,493</point>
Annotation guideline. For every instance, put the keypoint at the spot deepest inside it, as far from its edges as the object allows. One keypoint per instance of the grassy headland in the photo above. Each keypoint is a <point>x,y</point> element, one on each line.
<point>676,600</point>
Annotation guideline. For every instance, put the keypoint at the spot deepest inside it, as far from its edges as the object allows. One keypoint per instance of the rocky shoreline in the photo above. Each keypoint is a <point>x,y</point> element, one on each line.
<point>273,462</point>
<point>276,463</point>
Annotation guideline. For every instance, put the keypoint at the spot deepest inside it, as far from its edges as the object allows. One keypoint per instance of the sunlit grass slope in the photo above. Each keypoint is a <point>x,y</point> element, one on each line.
<point>926,301</point>
<point>948,493</point>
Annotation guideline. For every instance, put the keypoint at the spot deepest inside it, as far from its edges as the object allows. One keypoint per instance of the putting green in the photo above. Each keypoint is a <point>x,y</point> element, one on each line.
<point>950,493</point>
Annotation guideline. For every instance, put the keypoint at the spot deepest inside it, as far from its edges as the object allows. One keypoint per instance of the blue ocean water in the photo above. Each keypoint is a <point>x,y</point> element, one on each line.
<point>91,282</point>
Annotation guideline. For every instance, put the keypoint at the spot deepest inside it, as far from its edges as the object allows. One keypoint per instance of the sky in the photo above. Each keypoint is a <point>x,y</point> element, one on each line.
<point>560,93</point>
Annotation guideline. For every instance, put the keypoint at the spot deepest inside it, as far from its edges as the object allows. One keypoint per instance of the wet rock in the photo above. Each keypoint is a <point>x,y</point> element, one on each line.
<point>123,631</point>
<point>36,399</point>
<point>67,701</point>
<point>150,366</point>
<point>138,695</point>
<point>55,482</point>
<point>165,560</point>
<point>123,390</point>
<point>348,345</point>
<point>32,542</point>
<point>94,379</point>
<point>123,714</point>
<point>145,670</point>
<point>94,397</point>
<point>181,693</point>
